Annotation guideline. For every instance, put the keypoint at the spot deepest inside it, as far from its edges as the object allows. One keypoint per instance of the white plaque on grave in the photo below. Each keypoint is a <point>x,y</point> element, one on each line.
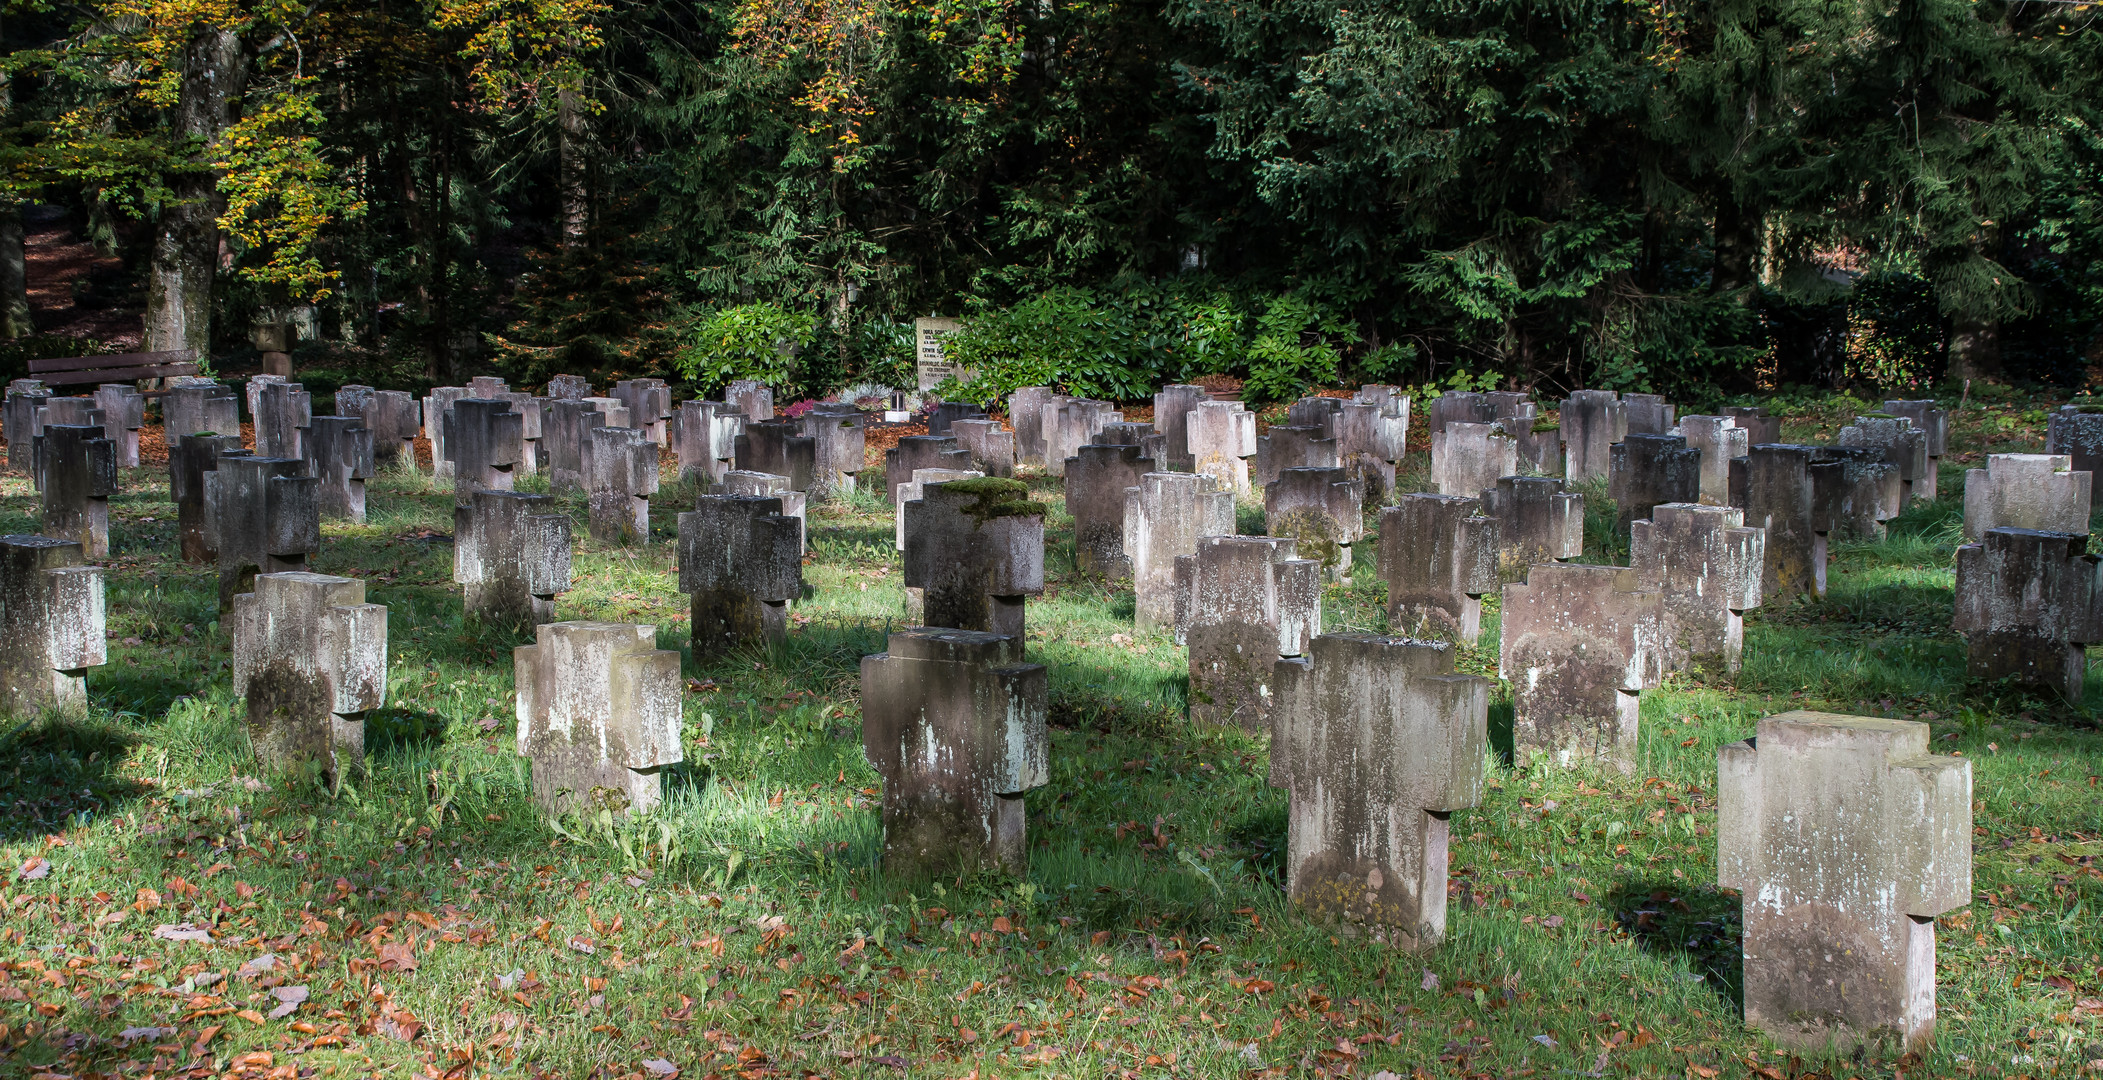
<point>928,361</point>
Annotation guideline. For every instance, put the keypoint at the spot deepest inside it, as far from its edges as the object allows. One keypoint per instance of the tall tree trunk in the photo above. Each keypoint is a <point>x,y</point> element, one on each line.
<point>186,241</point>
<point>576,190</point>
<point>15,321</point>
<point>1975,348</point>
<point>1737,241</point>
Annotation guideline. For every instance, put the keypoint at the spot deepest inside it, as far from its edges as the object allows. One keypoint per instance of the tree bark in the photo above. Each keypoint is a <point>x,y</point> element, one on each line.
<point>186,240</point>
<point>1975,348</point>
<point>15,321</point>
<point>576,189</point>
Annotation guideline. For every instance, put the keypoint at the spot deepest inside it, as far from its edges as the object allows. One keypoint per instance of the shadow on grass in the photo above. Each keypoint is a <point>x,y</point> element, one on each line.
<point>1701,924</point>
<point>1502,741</point>
<point>54,769</point>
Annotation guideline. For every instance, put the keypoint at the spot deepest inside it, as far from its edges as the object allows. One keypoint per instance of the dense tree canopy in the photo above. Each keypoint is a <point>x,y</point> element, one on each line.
<point>1616,192</point>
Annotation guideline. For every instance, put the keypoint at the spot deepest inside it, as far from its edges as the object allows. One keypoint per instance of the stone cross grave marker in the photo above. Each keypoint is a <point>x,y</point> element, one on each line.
<point>1287,446</point>
<point>484,441</point>
<point>942,419</point>
<point>975,549</point>
<point>793,503</point>
<point>310,658</point>
<point>188,462</point>
<point>649,403</point>
<point>1248,601</point>
<point>263,516</point>
<point>954,722</point>
<point>1323,510</point>
<point>51,626</point>
<point>1071,423</point>
<point>1646,470</point>
<point>123,413</point>
<point>598,715</point>
<point>2074,430</point>
<point>705,435</point>
<point>1438,555</point>
<point>1648,414</point>
<point>778,447</point>
<point>1780,500</point>
<point>839,447</point>
<point>741,563</point>
<point>1592,422</point>
<point>1165,515</point>
<point>63,412</point>
<point>1468,458</point>
<point>1854,491</point>
<point>750,398</point>
<point>532,414</point>
<point>568,388</point>
<point>393,417</point>
<point>1721,441</point>
<point>1538,521</point>
<point>992,447</point>
<point>1371,437</point>
<point>1097,477</point>
<point>1222,438</point>
<point>2026,491</point>
<point>1903,444</point>
<point>511,555</point>
<point>1172,408</point>
<point>1846,838</point>
<point>620,472</point>
<point>23,421</point>
<point>2027,607</point>
<point>338,451</point>
<point>1759,427</point>
<point>1026,416</point>
<point>912,489</point>
<point>568,425</point>
<point>1379,742</point>
<point>916,452</point>
<point>283,411</point>
<point>438,411</point>
<point>1706,565</point>
<point>80,475</point>
<point>1578,644</point>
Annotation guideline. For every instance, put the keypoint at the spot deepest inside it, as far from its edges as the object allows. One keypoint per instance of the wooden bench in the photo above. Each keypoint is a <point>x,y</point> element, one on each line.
<point>113,367</point>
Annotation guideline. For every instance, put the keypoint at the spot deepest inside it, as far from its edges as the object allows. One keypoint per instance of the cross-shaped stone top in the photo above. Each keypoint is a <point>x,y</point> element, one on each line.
<point>741,542</point>
<point>954,721</point>
<point>1378,741</point>
<point>2026,491</point>
<point>967,541</point>
<point>1577,644</point>
<point>600,685</point>
<point>51,624</point>
<point>1844,835</point>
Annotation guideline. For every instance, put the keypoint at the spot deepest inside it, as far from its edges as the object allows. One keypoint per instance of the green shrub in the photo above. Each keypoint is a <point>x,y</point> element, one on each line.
<point>750,341</point>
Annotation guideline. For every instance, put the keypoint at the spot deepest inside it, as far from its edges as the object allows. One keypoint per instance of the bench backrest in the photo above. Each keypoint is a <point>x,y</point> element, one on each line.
<point>113,367</point>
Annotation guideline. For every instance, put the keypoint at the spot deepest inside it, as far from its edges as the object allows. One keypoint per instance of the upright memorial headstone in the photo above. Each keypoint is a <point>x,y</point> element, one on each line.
<point>2027,607</point>
<point>1903,444</point>
<point>913,453</point>
<point>778,447</point>
<point>393,417</point>
<point>1247,602</point>
<point>1288,446</point>
<point>975,549</point>
<point>1706,565</point>
<point>1537,522</point>
<point>1379,742</point>
<point>1721,441</point>
<point>511,555</point>
<point>649,403</point>
<point>598,715</point>
<point>79,476</point>
<point>1438,555</point>
<point>793,503</point>
<point>568,425</point>
<point>750,398</point>
<point>2026,491</point>
<point>2074,430</point>
<point>1578,644</point>
<point>931,367</point>
<point>437,412</point>
<point>23,421</point>
<point>282,411</point>
<point>741,563</point>
<point>954,722</point>
<point>620,473</point>
<point>1648,414</point>
<point>263,516</point>
<point>568,388</point>
<point>1846,838</point>
<point>1026,416</point>
<point>51,626</point>
<point>1323,510</point>
<point>1166,514</point>
<point>992,447</point>
<point>1172,408</point>
<point>1779,500</point>
<point>484,440</point>
<point>310,658</point>
<point>338,451</point>
<point>705,435</point>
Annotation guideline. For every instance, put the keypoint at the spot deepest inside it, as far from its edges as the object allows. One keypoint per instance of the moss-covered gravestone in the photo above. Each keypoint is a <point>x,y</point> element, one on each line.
<point>975,550</point>
<point>310,659</point>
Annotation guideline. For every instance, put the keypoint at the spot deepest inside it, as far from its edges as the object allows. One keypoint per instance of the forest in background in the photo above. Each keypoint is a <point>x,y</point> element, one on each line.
<point>1700,200</point>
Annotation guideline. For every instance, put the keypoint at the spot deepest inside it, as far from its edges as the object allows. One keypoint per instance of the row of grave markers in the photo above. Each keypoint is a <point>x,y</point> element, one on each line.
<point>974,552</point>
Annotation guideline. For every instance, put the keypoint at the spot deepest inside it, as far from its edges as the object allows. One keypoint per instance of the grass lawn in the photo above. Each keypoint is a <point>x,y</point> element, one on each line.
<point>436,925</point>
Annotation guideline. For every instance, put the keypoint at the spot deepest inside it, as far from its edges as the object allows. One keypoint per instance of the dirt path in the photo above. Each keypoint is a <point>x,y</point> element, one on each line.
<point>58,258</point>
